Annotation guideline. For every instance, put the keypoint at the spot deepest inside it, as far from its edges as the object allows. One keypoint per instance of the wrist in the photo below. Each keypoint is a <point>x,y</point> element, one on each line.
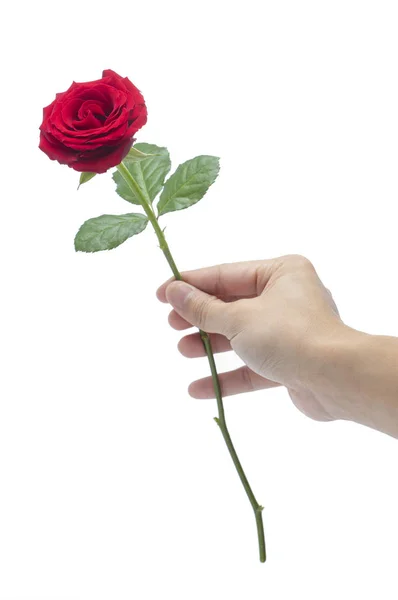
<point>338,368</point>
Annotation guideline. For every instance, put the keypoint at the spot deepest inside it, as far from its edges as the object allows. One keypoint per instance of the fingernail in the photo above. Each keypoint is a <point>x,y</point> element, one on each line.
<point>177,293</point>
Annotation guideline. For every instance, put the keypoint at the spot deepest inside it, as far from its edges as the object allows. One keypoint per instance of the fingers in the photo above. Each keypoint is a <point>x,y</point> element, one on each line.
<point>201,309</point>
<point>191,346</point>
<point>229,281</point>
<point>234,382</point>
<point>177,322</point>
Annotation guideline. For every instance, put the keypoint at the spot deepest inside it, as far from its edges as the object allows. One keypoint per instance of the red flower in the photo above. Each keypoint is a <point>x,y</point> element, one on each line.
<point>90,127</point>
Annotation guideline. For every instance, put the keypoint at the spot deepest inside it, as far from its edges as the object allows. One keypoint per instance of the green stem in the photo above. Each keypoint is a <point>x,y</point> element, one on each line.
<point>220,420</point>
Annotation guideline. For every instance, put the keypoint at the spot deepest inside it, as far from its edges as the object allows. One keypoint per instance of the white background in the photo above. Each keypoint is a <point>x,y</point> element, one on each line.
<point>113,482</point>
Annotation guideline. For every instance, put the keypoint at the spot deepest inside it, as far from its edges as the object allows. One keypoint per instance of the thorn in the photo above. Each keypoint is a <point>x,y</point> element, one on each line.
<point>217,420</point>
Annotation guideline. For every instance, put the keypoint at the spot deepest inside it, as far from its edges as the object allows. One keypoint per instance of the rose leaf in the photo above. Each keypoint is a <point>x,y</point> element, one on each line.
<point>149,173</point>
<point>189,183</point>
<point>108,231</point>
<point>84,177</point>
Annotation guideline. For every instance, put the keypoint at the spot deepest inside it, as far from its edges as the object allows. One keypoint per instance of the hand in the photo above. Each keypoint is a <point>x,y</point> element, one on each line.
<point>275,314</point>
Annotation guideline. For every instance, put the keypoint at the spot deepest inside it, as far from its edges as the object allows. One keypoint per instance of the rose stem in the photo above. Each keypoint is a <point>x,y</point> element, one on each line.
<point>220,420</point>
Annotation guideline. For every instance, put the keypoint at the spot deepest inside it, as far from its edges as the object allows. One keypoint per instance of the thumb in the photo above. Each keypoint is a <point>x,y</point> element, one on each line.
<point>202,310</point>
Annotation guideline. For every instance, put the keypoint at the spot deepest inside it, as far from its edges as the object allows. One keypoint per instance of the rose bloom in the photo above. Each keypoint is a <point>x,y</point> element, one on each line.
<point>91,126</point>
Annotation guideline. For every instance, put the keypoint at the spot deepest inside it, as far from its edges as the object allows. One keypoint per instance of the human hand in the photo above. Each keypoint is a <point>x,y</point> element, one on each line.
<point>275,314</point>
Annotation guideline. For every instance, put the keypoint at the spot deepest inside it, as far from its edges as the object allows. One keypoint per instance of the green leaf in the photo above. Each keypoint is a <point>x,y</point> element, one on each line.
<point>149,173</point>
<point>136,154</point>
<point>151,149</point>
<point>189,183</point>
<point>84,177</point>
<point>108,231</point>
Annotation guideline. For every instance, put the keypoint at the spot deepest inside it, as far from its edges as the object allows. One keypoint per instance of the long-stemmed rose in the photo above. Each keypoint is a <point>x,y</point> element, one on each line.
<point>91,128</point>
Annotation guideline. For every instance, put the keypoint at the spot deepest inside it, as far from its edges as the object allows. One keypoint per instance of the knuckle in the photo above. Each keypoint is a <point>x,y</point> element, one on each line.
<point>201,309</point>
<point>218,286</point>
<point>298,261</point>
<point>246,378</point>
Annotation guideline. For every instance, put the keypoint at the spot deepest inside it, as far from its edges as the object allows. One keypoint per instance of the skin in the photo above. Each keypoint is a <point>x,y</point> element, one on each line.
<point>283,323</point>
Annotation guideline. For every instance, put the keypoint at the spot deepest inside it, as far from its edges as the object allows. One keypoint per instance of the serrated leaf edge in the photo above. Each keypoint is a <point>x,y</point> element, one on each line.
<point>160,213</point>
<point>144,221</point>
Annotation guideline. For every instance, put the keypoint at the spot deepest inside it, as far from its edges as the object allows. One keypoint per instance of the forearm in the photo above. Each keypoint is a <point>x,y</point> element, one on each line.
<point>359,373</point>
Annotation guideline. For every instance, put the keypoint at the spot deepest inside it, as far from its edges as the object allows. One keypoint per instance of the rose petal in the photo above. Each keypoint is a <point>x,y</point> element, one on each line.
<point>91,106</point>
<point>54,150</point>
<point>65,128</point>
<point>89,122</point>
<point>102,160</point>
<point>138,116</point>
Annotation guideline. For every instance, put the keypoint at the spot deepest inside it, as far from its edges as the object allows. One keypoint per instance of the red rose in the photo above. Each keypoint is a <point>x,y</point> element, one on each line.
<point>90,127</point>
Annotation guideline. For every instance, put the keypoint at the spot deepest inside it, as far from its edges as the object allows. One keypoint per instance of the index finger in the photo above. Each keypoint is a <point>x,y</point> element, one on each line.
<point>229,281</point>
